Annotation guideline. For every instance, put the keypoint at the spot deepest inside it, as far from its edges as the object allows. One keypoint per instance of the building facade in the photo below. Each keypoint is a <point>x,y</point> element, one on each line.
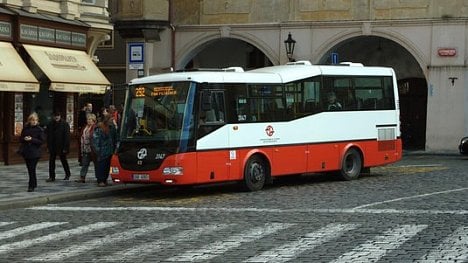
<point>47,63</point>
<point>425,41</point>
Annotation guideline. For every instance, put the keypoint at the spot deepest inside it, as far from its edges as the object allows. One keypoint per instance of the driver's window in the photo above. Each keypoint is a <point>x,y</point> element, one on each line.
<point>212,112</point>
<point>215,113</point>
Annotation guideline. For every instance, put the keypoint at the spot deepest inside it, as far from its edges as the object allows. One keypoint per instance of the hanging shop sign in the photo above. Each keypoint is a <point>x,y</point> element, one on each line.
<point>51,35</point>
<point>5,29</point>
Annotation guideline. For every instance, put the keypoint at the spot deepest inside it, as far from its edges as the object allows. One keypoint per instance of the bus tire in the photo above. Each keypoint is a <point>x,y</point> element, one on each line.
<point>351,165</point>
<point>255,174</point>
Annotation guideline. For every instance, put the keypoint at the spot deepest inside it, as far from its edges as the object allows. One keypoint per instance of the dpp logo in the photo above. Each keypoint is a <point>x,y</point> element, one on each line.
<point>269,130</point>
<point>142,153</point>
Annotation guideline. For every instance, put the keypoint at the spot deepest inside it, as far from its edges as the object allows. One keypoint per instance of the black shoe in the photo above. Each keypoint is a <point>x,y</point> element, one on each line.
<point>81,180</point>
<point>30,189</point>
<point>50,180</point>
<point>66,178</point>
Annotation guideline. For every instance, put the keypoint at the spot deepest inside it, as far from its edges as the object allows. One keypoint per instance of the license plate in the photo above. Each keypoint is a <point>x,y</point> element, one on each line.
<point>140,177</point>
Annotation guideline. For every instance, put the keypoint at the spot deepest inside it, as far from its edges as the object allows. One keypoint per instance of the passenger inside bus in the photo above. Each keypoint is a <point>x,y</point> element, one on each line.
<point>143,128</point>
<point>333,104</point>
<point>202,118</point>
<point>211,116</point>
<point>209,121</point>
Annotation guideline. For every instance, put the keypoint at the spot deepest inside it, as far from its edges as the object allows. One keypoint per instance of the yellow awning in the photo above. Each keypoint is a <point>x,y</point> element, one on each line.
<point>14,74</point>
<point>68,70</point>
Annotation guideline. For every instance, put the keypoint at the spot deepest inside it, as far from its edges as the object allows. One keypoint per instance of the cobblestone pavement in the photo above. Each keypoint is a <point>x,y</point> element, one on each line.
<point>14,184</point>
<point>413,211</point>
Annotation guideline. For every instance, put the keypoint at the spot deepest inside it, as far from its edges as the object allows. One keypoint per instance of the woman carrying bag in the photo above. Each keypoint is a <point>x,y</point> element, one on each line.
<point>87,152</point>
<point>32,137</point>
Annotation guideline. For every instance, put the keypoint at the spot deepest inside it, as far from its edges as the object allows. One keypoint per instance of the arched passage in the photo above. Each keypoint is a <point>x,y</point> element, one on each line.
<point>379,51</point>
<point>227,52</point>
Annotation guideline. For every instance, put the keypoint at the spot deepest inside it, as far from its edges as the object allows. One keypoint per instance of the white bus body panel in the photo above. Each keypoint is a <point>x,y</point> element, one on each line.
<point>319,128</point>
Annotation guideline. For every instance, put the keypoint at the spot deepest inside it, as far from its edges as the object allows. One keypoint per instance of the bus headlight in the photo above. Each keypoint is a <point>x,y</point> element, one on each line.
<point>176,170</point>
<point>114,170</point>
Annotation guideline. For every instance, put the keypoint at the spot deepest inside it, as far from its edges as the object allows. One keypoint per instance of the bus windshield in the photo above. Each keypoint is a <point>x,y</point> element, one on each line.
<point>158,112</point>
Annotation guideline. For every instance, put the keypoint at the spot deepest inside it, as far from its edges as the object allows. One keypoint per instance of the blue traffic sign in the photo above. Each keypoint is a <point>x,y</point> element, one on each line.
<point>334,58</point>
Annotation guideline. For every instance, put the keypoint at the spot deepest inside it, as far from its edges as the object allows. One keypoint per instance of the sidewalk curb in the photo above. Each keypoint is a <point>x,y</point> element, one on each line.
<point>428,153</point>
<point>67,196</point>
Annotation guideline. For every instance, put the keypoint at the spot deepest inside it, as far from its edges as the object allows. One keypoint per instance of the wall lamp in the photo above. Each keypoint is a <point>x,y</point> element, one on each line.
<point>452,79</point>
<point>289,44</point>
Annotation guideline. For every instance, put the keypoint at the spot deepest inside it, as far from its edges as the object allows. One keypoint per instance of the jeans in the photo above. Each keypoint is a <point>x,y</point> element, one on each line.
<point>31,164</point>
<point>85,162</point>
<point>102,169</point>
<point>63,159</point>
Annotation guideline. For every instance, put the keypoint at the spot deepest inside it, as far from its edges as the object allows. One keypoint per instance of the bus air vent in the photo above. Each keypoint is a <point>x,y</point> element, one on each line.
<point>233,69</point>
<point>300,62</point>
<point>351,64</point>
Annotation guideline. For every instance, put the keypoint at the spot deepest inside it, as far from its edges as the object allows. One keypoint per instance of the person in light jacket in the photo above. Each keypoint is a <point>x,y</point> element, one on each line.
<point>32,137</point>
<point>87,152</point>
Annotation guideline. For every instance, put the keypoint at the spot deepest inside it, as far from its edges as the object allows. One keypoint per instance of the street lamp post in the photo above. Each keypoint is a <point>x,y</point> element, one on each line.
<point>290,43</point>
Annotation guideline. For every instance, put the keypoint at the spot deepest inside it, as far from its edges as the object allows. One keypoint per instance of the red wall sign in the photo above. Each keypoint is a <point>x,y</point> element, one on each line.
<point>447,52</point>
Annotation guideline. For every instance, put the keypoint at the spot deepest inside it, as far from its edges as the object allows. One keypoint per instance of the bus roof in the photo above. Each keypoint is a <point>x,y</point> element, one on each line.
<point>274,74</point>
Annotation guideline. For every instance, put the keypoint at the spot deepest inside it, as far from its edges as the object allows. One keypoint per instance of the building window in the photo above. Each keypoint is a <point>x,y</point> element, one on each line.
<point>108,43</point>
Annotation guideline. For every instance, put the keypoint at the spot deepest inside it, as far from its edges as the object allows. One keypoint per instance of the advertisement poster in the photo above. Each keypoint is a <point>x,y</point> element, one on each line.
<point>69,116</point>
<point>18,127</point>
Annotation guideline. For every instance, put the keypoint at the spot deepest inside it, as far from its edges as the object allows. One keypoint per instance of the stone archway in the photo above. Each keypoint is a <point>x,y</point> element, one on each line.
<point>380,51</point>
<point>226,52</point>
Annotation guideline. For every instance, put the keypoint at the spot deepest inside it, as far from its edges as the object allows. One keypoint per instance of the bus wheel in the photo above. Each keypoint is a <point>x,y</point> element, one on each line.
<point>254,174</point>
<point>351,165</point>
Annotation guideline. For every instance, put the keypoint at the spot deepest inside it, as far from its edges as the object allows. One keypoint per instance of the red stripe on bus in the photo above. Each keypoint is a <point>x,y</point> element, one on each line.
<point>228,165</point>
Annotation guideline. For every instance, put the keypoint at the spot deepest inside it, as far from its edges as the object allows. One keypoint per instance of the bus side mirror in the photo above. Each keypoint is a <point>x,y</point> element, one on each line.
<point>206,101</point>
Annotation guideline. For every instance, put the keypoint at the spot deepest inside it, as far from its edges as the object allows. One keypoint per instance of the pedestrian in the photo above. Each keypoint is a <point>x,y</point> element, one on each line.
<point>82,122</point>
<point>32,137</point>
<point>115,115</point>
<point>58,143</point>
<point>119,114</point>
<point>104,140</point>
<point>83,115</point>
<point>102,113</point>
<point>87,152</point>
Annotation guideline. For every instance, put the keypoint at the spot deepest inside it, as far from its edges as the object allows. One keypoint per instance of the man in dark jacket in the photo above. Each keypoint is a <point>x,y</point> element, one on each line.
<point>58,143</point>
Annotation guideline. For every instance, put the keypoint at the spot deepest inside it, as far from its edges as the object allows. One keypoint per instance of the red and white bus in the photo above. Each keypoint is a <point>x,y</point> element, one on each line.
<point>199,127</point>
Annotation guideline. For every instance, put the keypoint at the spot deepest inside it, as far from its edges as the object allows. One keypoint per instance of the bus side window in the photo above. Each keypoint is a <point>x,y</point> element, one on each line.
<point>212,108</point>
<point>311,95</point>
<point>370,104</point>
<point>214,116</point>
<point>310,106</point>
